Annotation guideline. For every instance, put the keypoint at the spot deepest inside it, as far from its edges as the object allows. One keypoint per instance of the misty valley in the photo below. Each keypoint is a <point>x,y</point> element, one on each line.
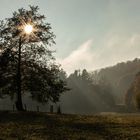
<point>109,89</point>
<point>73,74</point>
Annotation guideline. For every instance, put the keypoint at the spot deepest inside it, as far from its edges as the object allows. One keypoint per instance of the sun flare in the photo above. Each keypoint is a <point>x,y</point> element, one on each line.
<point>28,28</point>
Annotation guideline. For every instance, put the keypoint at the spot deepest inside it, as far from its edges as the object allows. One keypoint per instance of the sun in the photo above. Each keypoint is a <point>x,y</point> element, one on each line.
<point>28,28</point>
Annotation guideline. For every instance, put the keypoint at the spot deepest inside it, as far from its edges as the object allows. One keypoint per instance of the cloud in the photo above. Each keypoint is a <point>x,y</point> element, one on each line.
<point>79,58</point>
<point>94,55</point>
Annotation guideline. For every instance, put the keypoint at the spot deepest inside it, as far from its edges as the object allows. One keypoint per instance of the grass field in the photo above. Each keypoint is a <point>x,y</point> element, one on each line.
<point>42,126</point>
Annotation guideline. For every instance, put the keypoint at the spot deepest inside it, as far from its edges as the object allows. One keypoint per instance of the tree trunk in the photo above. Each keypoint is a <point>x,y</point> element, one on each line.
<point>18,103</point>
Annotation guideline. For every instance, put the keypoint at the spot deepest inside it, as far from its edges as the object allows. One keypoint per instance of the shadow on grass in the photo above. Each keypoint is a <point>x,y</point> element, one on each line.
<point>37,125</point>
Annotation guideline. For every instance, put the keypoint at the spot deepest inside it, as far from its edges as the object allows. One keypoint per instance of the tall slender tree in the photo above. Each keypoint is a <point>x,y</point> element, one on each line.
<point>25,57</point>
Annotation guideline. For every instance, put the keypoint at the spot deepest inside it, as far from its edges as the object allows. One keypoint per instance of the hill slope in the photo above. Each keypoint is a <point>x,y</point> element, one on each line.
<point>121,77</point>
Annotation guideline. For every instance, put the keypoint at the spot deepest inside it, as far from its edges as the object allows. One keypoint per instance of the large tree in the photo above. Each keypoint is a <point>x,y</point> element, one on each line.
<point>27,64</point>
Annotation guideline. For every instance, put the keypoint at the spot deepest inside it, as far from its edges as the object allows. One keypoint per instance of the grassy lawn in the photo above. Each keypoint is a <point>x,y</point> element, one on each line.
<point>42,126</point>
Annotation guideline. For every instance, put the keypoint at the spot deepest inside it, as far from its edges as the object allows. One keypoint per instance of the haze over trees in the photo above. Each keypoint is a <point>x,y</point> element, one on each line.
<point>26,61</point>
<point>132,97</point>
<point>100,90</point>
<point>120,77</point>
<point>85,95</point>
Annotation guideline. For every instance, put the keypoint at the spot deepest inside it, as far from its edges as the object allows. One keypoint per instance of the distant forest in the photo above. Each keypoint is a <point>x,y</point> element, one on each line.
<point>100,90</point>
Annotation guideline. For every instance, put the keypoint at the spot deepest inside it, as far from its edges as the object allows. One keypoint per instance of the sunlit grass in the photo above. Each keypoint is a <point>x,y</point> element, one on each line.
<point>40,126</point>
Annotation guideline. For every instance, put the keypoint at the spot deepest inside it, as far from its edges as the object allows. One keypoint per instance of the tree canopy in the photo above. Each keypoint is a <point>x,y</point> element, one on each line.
<point>39,72</point>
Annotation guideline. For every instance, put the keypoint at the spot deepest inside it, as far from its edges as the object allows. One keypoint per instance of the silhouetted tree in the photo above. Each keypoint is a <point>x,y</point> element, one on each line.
<point>133,93</point>
<point>129,98</point>
<point>26,61</point>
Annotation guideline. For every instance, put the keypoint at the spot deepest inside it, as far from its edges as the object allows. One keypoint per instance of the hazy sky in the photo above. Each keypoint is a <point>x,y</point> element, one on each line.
<point>90,33</point>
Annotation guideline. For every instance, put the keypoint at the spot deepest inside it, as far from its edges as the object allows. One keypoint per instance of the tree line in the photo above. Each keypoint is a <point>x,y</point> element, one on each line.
<point>102,90</point>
